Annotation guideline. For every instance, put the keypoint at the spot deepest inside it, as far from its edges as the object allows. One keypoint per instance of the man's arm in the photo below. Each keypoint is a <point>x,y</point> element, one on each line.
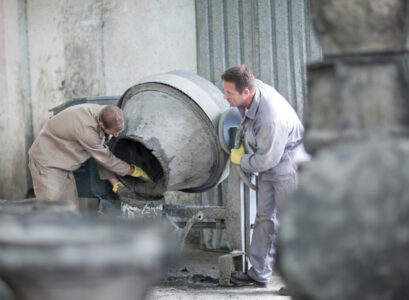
<point>95,147</point>
<point>271,140</point>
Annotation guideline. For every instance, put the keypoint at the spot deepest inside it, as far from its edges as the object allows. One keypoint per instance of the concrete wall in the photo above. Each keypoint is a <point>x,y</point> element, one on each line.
<point>96,47</point>
<point>147,37</point>
<point>15,112</point>
<point>53,50</point>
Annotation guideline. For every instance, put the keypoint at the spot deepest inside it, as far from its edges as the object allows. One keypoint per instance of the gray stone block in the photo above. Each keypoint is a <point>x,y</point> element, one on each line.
<point>345,233</point>
<point>357,97</point>
<point>360,26</point>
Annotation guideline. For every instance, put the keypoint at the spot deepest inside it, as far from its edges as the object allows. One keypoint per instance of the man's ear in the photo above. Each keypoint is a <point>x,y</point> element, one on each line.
<point>246,92</point>
<point>101,125</point>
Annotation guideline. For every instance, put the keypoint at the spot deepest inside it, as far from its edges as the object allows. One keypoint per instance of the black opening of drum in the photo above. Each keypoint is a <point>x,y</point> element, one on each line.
<point>134,152</point>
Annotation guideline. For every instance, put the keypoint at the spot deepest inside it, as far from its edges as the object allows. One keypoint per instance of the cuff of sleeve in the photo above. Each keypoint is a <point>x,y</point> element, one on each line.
<point>107,174</point>
<point>245,165</point>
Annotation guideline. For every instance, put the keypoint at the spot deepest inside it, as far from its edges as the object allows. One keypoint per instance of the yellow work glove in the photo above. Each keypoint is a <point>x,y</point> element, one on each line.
<point>138,172</point>
<point>236,154</point>
<point>117,186</point>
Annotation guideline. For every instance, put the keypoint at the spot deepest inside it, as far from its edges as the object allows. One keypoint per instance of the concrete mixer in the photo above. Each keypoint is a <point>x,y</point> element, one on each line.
<point>171,133</point>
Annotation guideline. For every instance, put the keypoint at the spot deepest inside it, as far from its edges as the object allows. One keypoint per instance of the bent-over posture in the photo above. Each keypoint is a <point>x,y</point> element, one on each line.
<point>70,138</point>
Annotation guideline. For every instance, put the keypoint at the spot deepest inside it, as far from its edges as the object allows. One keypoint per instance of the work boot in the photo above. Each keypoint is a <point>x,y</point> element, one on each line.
<point>242,279</point>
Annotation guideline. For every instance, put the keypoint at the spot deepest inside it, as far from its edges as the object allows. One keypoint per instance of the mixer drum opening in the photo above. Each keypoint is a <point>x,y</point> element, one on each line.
<point>135,152</point>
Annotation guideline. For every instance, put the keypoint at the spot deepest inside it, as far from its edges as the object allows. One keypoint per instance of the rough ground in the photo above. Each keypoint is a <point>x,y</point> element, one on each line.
<point>196,277</point>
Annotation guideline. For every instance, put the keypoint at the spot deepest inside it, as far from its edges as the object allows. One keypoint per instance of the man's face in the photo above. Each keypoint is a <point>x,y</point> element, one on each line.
<point>112,132</point>
<point>232,95</point>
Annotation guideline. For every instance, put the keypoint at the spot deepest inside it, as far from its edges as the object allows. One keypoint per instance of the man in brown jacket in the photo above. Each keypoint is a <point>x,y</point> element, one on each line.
<point>69,139</point>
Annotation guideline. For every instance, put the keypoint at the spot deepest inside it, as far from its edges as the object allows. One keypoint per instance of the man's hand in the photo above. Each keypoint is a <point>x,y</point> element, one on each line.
<point>118,187</point>
<point>138,172</point>
<point>122,191</point>
<point>236,154</point>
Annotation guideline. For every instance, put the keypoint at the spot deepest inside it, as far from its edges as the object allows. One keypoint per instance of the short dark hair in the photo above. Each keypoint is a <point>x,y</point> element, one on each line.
<point>242,78</point>
<point>112,117</point>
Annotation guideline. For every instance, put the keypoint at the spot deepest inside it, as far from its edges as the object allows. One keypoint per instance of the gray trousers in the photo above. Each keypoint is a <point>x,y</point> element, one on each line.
<point>272,191</point>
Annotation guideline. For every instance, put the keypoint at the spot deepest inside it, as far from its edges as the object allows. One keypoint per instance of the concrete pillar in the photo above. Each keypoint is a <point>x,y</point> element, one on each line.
<point>234,204</point>
<point>15,113</point>
<point>344,234</point>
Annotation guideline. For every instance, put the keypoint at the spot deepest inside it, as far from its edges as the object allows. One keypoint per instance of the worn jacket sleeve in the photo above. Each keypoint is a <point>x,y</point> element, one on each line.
<point>94,145</point>
<point>271,140</point>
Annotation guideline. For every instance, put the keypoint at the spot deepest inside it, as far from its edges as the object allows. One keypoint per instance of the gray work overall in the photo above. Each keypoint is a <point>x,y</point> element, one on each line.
<point>272,131</point>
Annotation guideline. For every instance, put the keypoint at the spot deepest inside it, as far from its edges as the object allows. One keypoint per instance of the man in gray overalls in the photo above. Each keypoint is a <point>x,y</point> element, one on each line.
<point>272,131</point>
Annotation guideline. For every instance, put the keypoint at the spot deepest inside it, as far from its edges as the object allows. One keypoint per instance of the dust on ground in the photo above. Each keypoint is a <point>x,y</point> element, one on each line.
<point>195,277</point>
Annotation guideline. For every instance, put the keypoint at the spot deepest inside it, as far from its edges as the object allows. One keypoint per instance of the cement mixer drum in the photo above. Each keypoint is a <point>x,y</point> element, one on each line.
<point>170,131</point>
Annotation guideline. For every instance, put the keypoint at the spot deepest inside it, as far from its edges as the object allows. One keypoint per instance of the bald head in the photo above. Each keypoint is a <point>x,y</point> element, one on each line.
<point>112,117</point>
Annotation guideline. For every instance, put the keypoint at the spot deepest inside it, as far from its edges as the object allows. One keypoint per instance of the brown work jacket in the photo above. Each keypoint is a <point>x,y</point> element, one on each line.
<point>71,137</point>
